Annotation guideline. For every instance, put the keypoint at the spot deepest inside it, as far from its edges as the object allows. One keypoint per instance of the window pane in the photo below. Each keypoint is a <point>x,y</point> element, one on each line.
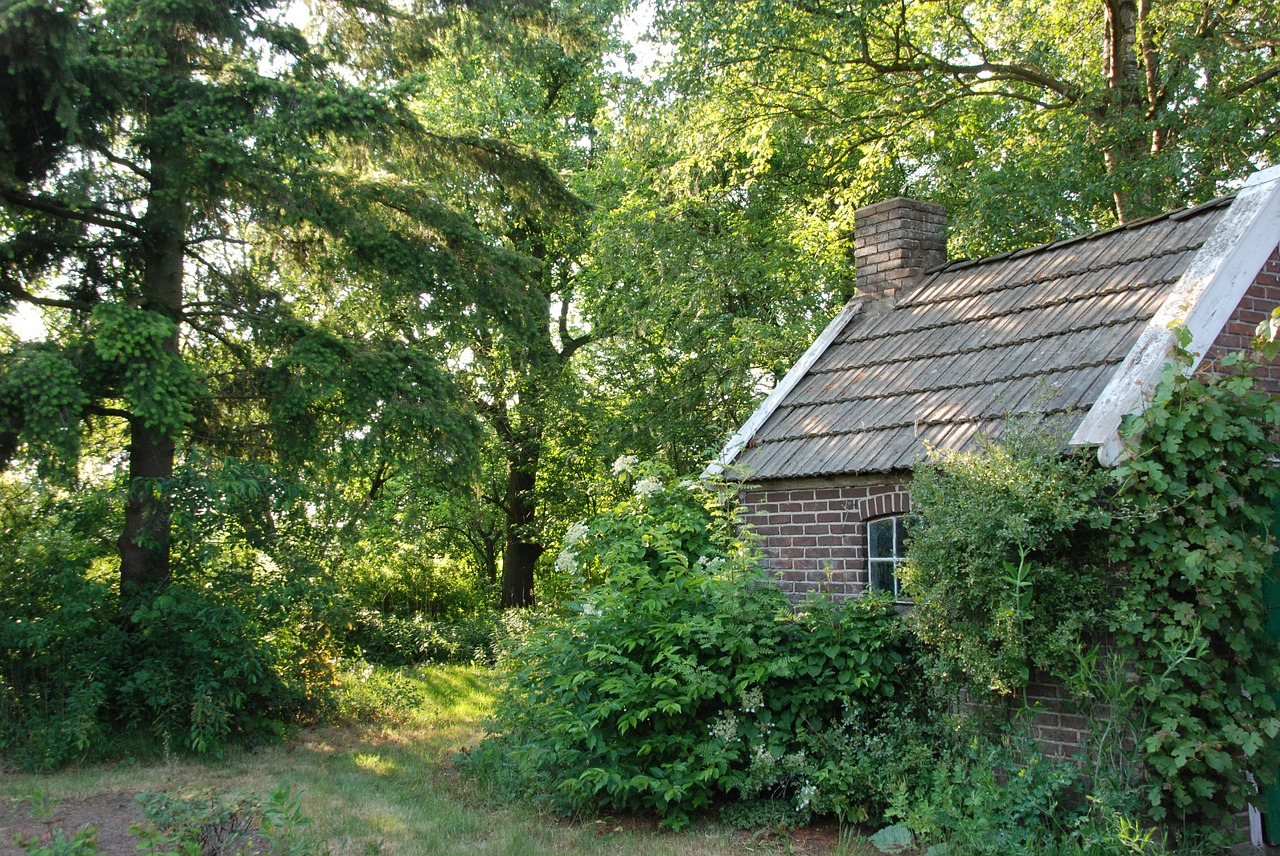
<point>882,576</point>
<point>900,528</point>
<point>882,538</point>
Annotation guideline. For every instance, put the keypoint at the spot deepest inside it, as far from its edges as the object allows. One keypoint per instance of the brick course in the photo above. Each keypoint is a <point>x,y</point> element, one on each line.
<point>1254,308</point>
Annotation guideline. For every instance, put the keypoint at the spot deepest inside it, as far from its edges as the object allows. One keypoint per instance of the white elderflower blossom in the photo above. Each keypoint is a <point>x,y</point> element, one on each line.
<point>566,562</point>
<point>590,609</point>
<point>575,533</point>
<point>805,796</point>
<point>727,728</point>
<point>647,487</point>
<point>752,699</point>
<point>624,464</point>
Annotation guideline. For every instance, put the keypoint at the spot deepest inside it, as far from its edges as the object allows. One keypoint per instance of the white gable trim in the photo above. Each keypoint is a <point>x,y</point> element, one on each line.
<point>739,440</point>
<point>1202,301</point>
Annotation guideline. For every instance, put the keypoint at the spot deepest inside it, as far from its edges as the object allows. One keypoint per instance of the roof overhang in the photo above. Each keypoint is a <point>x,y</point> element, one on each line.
<point>1201,301</point>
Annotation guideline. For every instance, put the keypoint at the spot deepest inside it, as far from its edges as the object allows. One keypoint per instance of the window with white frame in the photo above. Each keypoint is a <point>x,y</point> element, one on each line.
<point>886,550</point>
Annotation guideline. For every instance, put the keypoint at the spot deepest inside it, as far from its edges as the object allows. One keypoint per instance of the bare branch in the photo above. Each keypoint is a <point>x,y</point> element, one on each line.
<point>135,168</point>
<point>1252,82</point>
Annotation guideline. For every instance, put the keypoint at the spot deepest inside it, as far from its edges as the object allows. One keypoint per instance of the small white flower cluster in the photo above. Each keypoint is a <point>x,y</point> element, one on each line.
<point>590,609</point>
<point>647,487</point>
<point>805,795</point>
<point>709,564</point>
<point>624,464</point>
<point>575,533</point>
<point>752,699</point>
<point>566,562</point>
<point>726,728</point>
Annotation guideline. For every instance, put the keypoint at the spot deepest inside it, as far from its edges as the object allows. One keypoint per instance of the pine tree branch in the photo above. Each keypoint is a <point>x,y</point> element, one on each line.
<point>92,216</point>
<point>23,296</point>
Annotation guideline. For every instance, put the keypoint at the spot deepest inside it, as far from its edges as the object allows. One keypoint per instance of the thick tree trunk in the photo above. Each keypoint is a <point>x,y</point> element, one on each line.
<point>144,543</point>
<point>520,552</point>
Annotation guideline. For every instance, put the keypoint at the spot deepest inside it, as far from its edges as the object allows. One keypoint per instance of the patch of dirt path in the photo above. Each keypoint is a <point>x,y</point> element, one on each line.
<point>111,812</point>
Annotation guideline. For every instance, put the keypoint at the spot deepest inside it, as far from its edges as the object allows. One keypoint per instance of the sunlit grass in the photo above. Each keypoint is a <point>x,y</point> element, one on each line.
<point>392,788</point>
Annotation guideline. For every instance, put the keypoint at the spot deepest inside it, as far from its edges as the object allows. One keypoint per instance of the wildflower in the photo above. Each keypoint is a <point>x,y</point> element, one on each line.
<point>648,486</point>
<point>566,562</point>
<point>624,464</point>
<point>590,609</point>
<point>575,533</point>
<point>725,728</point>
<point>805,796</point>
<point>752,699</point>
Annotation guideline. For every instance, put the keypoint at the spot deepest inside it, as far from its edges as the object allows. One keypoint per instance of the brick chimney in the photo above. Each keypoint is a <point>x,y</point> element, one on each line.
<point>894,242</point>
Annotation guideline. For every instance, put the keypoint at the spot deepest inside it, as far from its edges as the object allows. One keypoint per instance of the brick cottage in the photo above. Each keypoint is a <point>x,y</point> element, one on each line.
<point>931,353</point>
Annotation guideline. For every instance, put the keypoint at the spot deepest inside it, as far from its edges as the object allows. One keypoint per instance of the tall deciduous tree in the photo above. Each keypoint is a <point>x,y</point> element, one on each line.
<point>530,81</point>
<point>1107,110</point>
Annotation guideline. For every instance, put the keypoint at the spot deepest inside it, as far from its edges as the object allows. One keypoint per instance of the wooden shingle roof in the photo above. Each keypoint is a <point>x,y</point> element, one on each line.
<point>1039,330</point>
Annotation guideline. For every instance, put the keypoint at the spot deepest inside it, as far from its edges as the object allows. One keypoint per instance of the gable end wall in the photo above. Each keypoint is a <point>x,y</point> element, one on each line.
<point>1254,308</point>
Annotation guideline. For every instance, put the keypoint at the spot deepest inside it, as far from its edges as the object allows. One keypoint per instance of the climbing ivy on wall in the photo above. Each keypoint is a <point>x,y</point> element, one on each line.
<point>1023,558</point>
<point>1200,488</point>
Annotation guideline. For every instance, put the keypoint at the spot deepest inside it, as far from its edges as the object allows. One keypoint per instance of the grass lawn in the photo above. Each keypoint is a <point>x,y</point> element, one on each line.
<point>366,789</point>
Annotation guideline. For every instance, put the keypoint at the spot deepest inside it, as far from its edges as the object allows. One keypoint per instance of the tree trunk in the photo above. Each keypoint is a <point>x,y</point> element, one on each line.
<point>144,543</point>
<point>520,552</point>
<point>1128,141</point>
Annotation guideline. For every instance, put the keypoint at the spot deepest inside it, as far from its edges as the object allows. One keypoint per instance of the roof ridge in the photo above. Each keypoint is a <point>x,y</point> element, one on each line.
<point>1180,214</point>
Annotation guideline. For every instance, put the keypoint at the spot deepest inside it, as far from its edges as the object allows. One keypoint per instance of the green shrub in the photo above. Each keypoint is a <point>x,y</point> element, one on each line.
<point>1203,488</point>
<point>997,794</point>
<point>57,639</point>
<point>193,670</point>
<point>1006,562</point>
<point>684,676</point>
<point>392,640</point>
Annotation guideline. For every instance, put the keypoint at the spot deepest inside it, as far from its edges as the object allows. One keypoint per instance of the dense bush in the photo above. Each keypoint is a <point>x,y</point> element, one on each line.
<point>997,794</point>
<point>1006,563</point>
<point>684,677</point>
<point>392,640</point>
<point>224,652</point>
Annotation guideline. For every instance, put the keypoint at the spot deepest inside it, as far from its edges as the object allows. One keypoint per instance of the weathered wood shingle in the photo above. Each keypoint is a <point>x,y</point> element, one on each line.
<point>1039,330</point>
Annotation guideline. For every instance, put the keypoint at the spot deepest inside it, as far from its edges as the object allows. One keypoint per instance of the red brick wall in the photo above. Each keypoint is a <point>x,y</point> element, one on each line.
<point>814,533</point>
<point>1254,308</point>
